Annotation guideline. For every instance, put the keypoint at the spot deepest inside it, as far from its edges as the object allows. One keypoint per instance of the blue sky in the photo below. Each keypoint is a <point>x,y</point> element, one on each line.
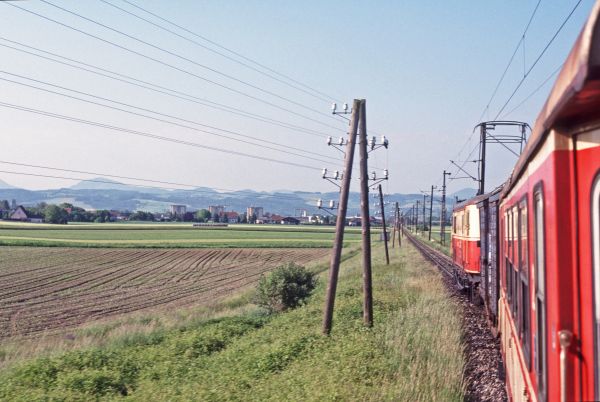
<point>427,70</point>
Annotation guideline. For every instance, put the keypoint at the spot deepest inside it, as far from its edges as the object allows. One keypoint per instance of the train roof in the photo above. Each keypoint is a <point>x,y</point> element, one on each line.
<point>495,193</point>
<point>575,95</point>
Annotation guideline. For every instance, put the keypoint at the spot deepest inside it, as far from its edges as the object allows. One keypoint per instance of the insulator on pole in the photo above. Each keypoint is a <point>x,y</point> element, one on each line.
<point>324,172</point>
<point>329,140</point>
<point>319,203</point>
<point>345,107</point>
<point>331,204</point>
<point>333,107</point>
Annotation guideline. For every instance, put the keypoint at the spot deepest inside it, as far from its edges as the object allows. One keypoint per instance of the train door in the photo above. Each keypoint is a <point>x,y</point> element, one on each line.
<point>587,157</point>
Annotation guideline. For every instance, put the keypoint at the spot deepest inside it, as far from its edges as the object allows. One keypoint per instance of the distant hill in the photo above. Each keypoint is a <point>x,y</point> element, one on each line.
<point>103,193</point>
<point>5,185</point>
<point>101,183</point>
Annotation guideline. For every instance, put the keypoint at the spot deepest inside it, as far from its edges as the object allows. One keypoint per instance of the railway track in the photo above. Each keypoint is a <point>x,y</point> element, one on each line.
<point>483,374</point>
<point>442,261</point>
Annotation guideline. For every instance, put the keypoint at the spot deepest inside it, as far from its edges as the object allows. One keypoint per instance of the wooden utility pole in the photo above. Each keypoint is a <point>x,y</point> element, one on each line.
<point>417,218</point>
<point>430,211</point>
<point>424,206</point>
<point>395,226</point>
<point>400,223</point>
<point>341,220</point>
<point>365,218</point>
<point>385,238</point>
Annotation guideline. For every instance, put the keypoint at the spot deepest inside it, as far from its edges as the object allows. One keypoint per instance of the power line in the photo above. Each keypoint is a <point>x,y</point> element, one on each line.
<point>219,53</point>
<point>163,90</point>
<point>538,59</point>
<point>228,50</point>
<point>534,91</point>
<point>187,72</point>
<point>160,114</point>
<point>511,59</point>
<point>99,180</point>
<point>149,135</point>
<point>179,56</point>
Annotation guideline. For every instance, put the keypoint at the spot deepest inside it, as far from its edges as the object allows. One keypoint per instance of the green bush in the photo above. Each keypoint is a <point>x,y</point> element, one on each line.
<point>287,287</point>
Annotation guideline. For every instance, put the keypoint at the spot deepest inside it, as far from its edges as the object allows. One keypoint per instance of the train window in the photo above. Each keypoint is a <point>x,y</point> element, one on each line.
<point>454,225</point>
<point>524,270</point>
<point>596,259</point>
<point>540,289</point>
<point>467,223</point>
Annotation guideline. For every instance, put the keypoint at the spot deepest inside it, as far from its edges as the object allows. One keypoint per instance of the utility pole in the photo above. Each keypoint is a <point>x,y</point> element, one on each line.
<point>417,218</point>
<point>385,239</point>
<point>395,226</point>
<point>483,140</point>
<point>365,218</point>
<point>400,223</point>
<point>443,214</point>
<point>430,211</point>
<point>341,220</point>
<point>424,204</point>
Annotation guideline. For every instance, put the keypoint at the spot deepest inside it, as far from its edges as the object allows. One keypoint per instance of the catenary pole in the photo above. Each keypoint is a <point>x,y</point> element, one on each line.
<point>365,218</point>
<point>431,211</point>
<point>443,214</point>
<point>341,220</point>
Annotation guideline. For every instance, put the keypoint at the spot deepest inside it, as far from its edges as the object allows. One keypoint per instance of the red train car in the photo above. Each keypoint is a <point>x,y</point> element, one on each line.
<point>549,257</point>
<point>465,242</point>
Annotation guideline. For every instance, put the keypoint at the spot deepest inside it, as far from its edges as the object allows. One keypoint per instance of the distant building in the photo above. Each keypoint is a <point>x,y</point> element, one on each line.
<point>178,210</point>
<point>21,214</point>
<point>258,211</point>
<point>216,209</point>
<point>13,204</point>
<point>290,220</point>
<point>232,217</point>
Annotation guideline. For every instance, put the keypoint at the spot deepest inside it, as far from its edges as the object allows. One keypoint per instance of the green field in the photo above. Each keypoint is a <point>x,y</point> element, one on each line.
<point>170,235</point>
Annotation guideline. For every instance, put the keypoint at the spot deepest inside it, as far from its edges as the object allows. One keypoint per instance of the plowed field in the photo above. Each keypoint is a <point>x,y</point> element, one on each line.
<point>46,289</point>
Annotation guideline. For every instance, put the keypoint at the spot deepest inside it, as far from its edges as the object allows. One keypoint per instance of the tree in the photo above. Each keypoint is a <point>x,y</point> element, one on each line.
<point>287,287</point>
<point>188,217</point>
<point>203,215</point>
<point>55,214</point>
<point>4,205</point>
<point>252,218</point>
<point>243,218</point>
<point>215,217</point>
<point>141,216</point>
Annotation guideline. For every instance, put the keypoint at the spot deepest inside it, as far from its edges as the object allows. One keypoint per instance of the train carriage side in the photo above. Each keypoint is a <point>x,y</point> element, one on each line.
<point>548,311</point>
<point>489,287</point>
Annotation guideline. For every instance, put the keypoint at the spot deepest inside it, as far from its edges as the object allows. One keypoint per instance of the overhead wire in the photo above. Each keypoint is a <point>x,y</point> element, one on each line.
<point>532,93</point>
<point>212,42</point>
<point>161,89</point>
<point>187,59</point>
<point>149,135</point>
<point>562,25</point>
<point>162,114</point>
<point>271,76</point>
<point>521,41</point>
<point>187,72</point>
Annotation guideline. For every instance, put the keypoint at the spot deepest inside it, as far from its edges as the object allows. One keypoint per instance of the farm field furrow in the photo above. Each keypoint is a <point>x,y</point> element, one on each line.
<point>77,286</point>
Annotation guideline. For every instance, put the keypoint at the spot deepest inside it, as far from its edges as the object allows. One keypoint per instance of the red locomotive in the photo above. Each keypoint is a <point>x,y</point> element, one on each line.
<point>537,267</point>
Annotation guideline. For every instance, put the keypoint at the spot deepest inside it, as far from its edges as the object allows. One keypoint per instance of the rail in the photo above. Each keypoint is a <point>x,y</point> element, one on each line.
<point>442,261</point>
